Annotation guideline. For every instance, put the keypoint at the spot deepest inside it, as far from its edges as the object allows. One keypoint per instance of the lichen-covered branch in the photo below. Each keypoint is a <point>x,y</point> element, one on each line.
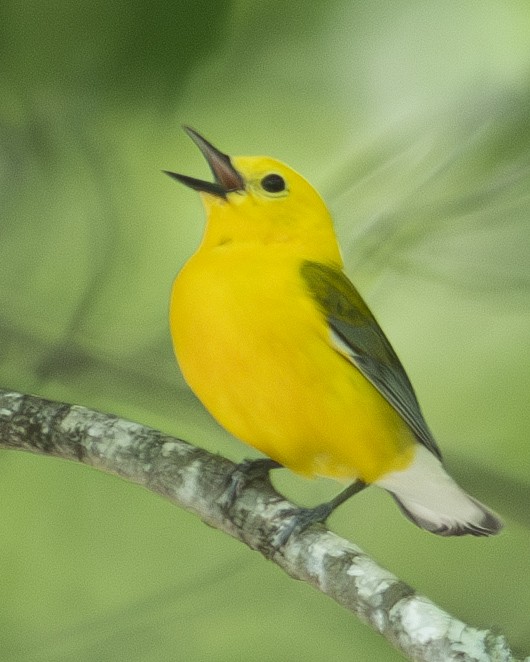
<point>197,481</point>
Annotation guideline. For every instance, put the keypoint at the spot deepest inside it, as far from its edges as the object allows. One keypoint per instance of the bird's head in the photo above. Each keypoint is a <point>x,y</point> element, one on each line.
<point>257,199</point>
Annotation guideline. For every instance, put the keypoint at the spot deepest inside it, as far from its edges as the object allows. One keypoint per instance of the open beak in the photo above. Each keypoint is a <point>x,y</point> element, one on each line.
<point>226,176</point>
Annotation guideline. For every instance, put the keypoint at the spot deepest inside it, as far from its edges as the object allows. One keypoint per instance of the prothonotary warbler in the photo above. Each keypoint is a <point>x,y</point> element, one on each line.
<point>282,350</point>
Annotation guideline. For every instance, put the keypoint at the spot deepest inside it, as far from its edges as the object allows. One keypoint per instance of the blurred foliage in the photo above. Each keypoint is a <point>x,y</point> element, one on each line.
<point>412,119</point>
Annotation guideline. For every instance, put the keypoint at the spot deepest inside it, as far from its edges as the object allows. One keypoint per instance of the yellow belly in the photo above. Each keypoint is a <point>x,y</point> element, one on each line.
<point>255,349</point>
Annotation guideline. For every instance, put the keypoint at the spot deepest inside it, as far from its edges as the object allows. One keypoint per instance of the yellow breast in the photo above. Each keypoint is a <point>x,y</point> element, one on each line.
<point>255,349</point>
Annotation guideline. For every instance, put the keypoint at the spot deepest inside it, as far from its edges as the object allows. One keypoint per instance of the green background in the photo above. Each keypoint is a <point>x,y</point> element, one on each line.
<point>412,119</point>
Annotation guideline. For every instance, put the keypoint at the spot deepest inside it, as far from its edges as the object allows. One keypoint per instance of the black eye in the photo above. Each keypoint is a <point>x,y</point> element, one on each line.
<point>273,183</point>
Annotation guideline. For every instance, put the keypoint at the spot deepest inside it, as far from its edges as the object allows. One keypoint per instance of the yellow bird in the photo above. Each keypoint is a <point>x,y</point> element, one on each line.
<point>282,350</point>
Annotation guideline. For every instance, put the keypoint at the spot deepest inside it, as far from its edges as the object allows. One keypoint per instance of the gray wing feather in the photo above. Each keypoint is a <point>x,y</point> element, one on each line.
<point>356,334</point>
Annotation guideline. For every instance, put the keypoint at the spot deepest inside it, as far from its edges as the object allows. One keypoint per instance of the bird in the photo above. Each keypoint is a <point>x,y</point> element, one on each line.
<point>282,350</point>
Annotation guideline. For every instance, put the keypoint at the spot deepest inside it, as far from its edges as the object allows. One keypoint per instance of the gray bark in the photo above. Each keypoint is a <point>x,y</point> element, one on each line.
<point>198,481</point>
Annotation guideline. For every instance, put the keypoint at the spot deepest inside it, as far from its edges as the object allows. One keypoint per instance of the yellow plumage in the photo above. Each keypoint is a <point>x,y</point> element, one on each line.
<point>281,349</point>
<point>256,350</point>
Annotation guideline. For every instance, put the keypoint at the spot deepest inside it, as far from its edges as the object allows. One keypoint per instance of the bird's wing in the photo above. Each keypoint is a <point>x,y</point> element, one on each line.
<point>356,334</point>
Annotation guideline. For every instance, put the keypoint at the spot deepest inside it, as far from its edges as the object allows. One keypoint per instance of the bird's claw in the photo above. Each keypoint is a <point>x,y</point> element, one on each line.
<point>298,520</point>
<point>244,473</point>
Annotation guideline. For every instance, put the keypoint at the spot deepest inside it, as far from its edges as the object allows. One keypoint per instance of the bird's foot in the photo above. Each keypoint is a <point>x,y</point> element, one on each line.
<point>243,474</point>
<point>298,520</point>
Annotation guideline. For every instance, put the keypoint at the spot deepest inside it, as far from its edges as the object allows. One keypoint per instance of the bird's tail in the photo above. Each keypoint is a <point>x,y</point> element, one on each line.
<point>430,498</point>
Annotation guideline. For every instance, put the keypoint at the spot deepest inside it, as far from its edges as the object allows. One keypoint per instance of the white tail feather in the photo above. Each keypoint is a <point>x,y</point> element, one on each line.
<point>430,498</point>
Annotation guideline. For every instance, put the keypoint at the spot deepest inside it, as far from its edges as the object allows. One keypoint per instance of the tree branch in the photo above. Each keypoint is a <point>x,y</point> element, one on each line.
<point>197,481</point>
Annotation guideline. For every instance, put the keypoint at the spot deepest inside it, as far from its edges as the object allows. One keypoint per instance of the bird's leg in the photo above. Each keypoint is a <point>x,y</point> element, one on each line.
<point>303,518</point>
<point>243,474</point>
